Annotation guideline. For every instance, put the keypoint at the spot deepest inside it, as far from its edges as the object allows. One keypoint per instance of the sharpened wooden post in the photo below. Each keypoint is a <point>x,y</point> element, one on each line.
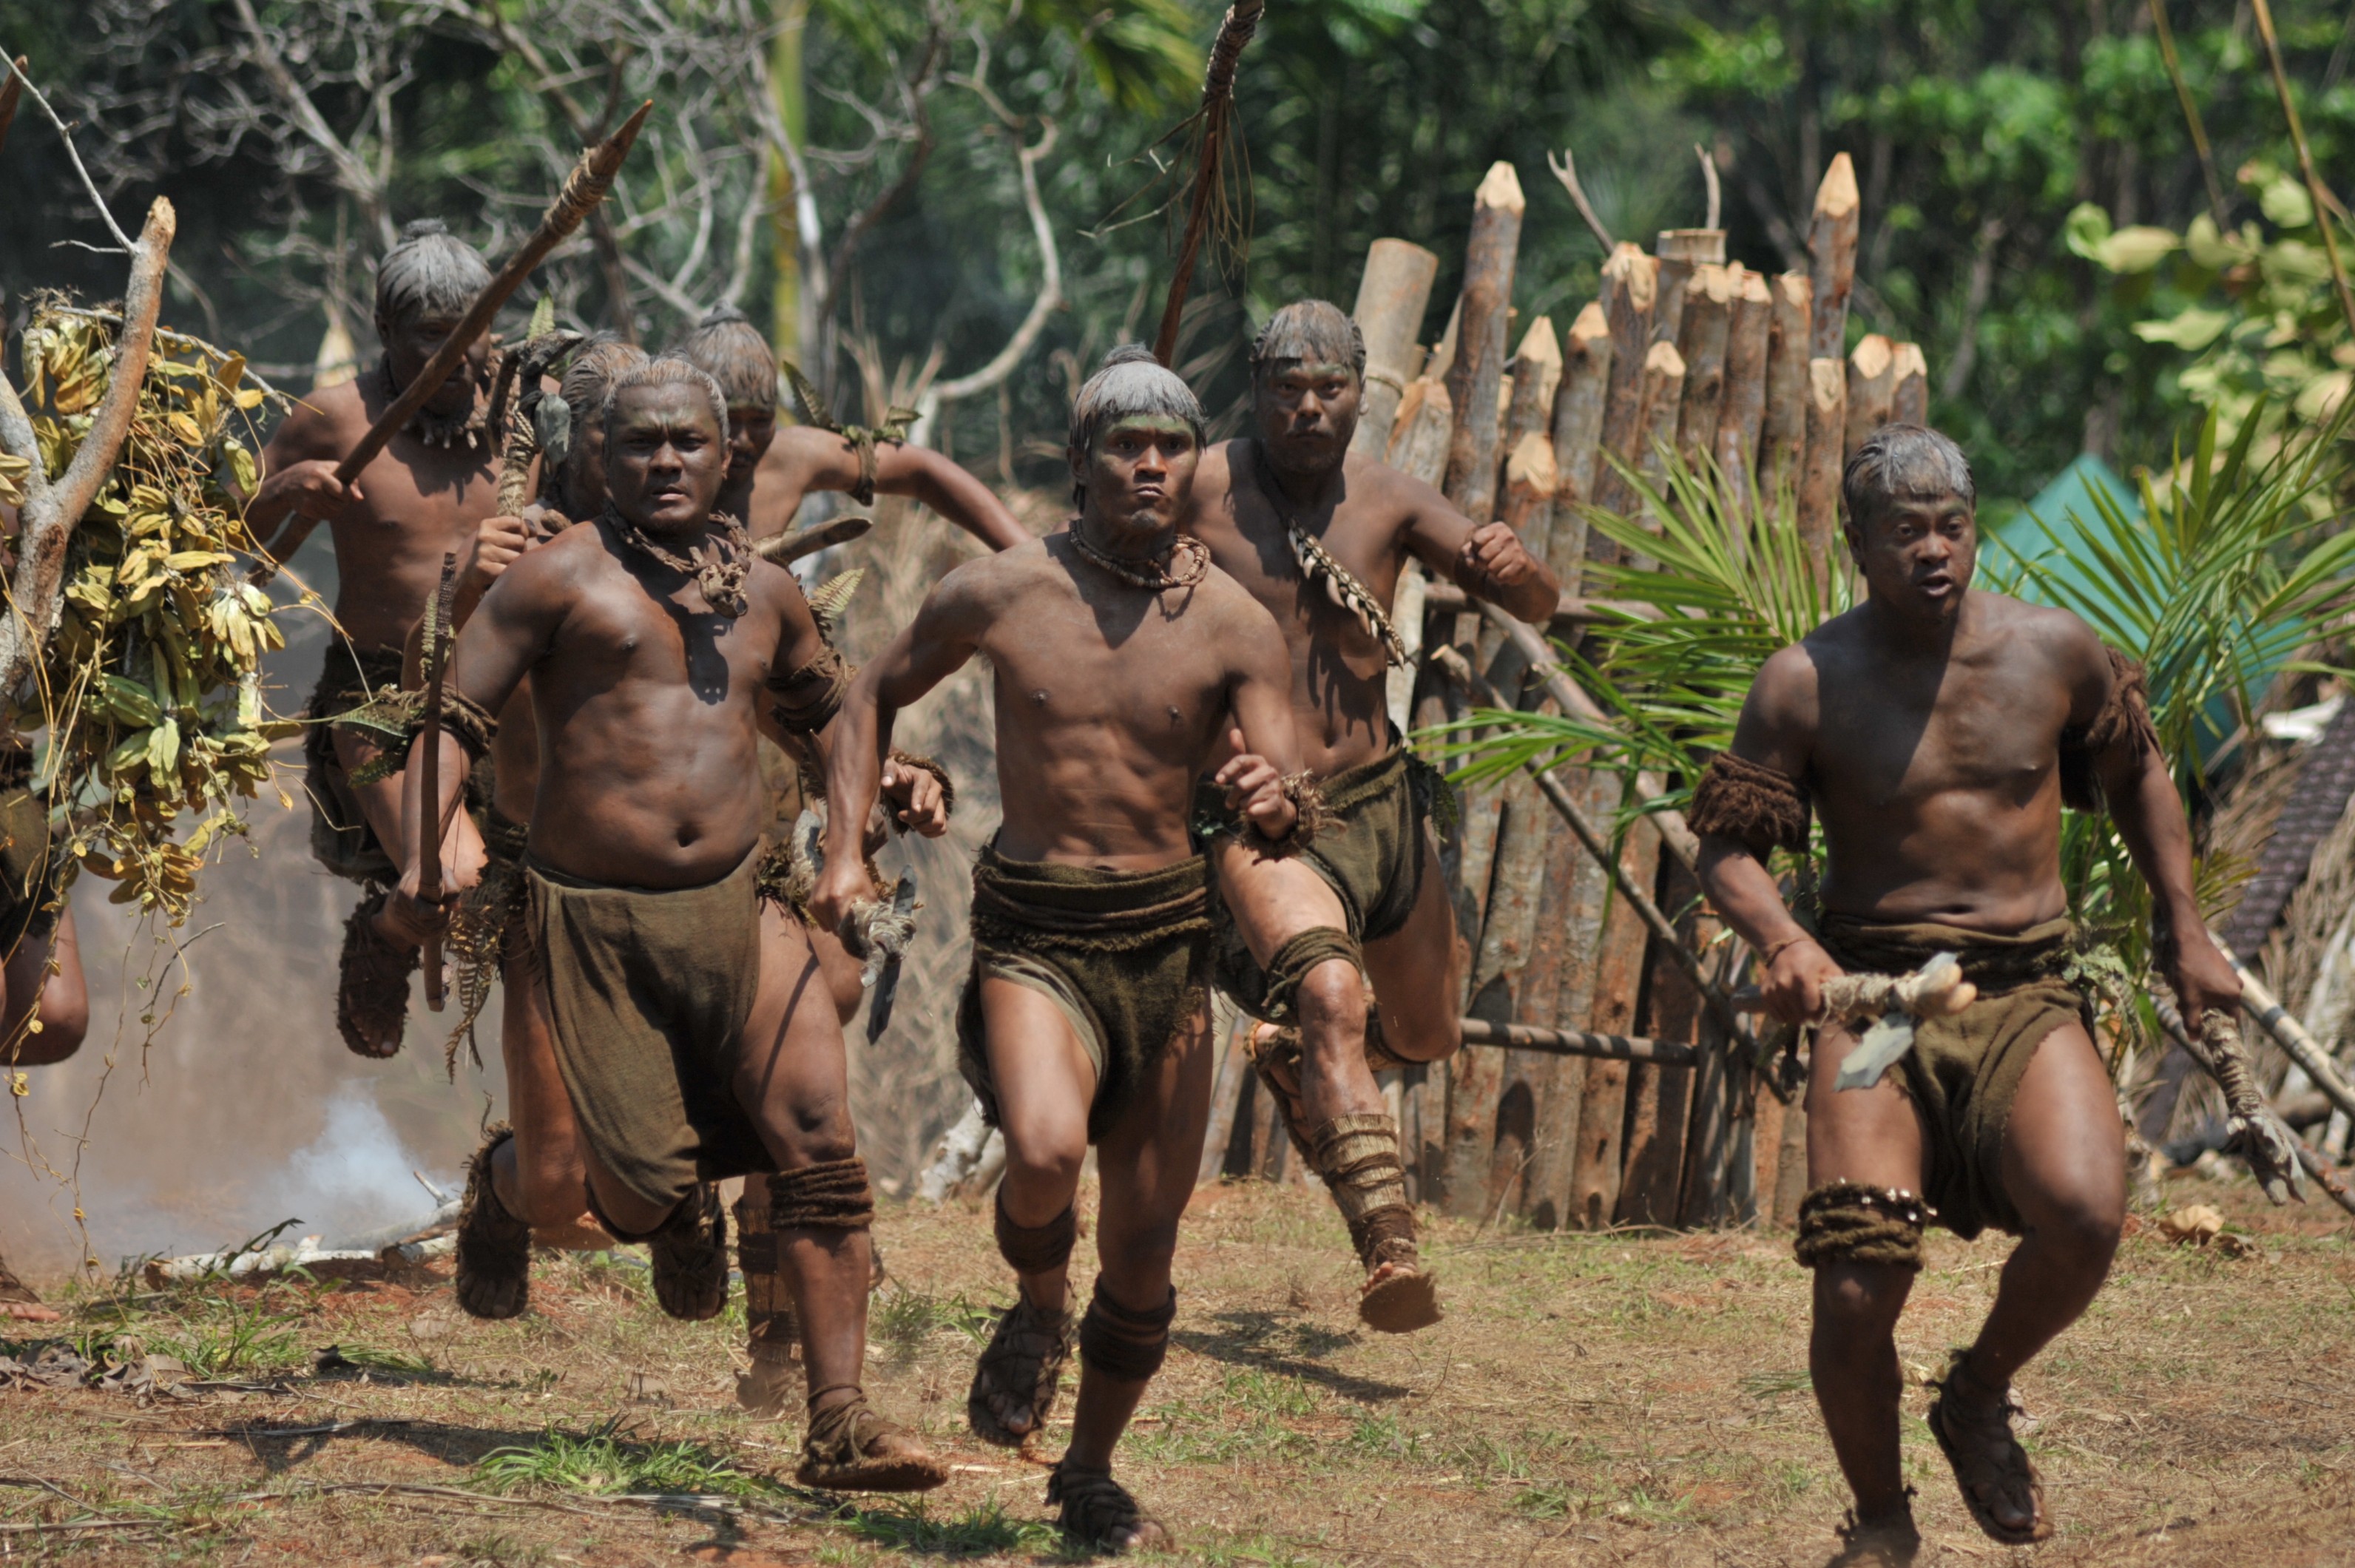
<point>1681,253</point>
<point>1597,1168</point>
<point>1659,1098</point>
<point>1664,395</point>
<point>1577,433</point>
<point>1392,297</point>
<point>1629,277</point>
<point>1831,252</point>
<point>1480,368</point>
<point>1708,320</point>
<point>1820,481</point>
<point>1911,402</point>
<point>1871,387</point>
<point>1536,378</point>
<point>1744,415</point>
<point>1418,442</point>
<point>1530,481</point>
<point>1569,933</point>
<point>1782,443</point>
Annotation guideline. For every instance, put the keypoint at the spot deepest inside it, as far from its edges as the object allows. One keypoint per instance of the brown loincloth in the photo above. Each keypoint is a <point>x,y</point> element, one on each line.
<point>1964,1071</point>
<point>32,862</point>
<point>341,838</point>
<point>650,990</point>
<point>1369,849</point>
<point>1124,955</point>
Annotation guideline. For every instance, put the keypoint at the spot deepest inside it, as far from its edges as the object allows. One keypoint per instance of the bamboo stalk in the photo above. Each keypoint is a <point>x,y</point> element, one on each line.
<point>1872,390</point>
<point>1577,433</point>
<point>1831,248</point>
<point>1910,404</point>
<point>1782,449</point>
<point>1702,344</point>
<point>1819,480</point>
<point>1742,417</point>
<point>1474,378</point>
<point>1629,279</point>
<point>1392,297</point>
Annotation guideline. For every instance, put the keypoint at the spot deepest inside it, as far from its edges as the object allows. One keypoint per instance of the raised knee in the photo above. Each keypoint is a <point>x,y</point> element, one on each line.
<point>1042,1156</point>
<point>2084,1230</point>
<point>823,1133</point>
<point>1334,993</point>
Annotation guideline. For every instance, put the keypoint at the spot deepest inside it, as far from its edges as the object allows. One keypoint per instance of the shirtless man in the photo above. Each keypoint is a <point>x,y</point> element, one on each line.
<point>425,494</point>
<point>1287,514</point>
<point>692,1033</point>
<point>1938,730</point>
<point>1122,661</point>
<point>771,470</point>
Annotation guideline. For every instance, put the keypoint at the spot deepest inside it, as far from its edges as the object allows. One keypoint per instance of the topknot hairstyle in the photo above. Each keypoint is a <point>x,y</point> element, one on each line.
<point>665,371</point>
<point>430,272</point>
<point>735,354</point>
<point>1312,332</point>
<point>581,399</point>
<point>1903,463</point>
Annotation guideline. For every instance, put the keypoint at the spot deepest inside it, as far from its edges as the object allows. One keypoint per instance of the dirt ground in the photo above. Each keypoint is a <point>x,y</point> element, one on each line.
<point>1591,1398</point>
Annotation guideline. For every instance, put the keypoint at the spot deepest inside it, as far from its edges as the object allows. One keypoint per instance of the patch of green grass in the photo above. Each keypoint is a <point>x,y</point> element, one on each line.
<point>1260,1550</point>
<point>371,1359</point>
<point>1380,1434</point>
<point>225,1335</point>
<point>496,1551</point>
<point>1268,1394</point>
<point>1550,1499</point>
<point>904,1319</point>
<point>1767,1385</point>
<point>981,1530</point>
<point>598,1462</point>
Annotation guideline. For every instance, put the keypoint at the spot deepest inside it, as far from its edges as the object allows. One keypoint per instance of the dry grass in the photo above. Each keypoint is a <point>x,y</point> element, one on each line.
<point>1617,1399</point>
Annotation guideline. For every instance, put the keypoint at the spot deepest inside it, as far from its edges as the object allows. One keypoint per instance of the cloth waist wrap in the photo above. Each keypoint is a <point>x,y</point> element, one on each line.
<point>1371,851</point>
<point>1964,1071</point>
<point>1124,955</point>
<point>32,861</point>
<point>650,990</point>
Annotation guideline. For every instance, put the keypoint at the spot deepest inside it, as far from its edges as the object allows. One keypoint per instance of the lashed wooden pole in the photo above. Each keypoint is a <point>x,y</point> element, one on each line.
<point>1391,299</point>
<point>1478,373</point>
<point>1215,116</point>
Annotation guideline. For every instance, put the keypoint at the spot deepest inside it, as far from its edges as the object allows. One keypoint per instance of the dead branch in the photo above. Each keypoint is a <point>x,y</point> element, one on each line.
<point>1048,300</point>
<point>1566,171</point>
<point>1709,178</point>
<point>366,184</point>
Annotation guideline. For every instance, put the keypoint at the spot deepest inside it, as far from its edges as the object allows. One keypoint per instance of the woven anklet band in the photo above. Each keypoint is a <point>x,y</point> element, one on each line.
<point>1036,1249</point>
<point>829,1197</point>
<point>1119,1343</point>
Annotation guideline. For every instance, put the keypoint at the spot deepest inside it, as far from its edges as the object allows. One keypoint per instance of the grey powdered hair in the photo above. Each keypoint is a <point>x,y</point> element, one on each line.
<point>1309,332</point>
<point>1903,461</point>
<point>733,349</point>
<point>665,371</point>
<point>430,272</point>
<point>582,396</point>
<point>1131,384</point>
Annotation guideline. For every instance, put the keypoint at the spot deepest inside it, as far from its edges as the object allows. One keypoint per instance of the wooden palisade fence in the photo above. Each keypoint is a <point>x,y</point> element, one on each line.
<point>1635,1112</point>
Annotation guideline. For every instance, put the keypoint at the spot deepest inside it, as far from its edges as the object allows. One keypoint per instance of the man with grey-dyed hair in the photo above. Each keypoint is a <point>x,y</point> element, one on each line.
<point>1937,729</point>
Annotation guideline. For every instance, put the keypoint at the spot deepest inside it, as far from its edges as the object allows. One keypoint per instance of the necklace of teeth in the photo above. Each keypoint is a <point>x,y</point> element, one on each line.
<point>470,429</point>
<point>1318,565</point>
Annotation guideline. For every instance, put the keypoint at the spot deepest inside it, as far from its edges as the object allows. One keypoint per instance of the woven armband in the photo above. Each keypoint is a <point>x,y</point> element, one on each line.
<point>1036,1249</point>
<point>1307,798</point>
<point>809,698</point>
<point>1851,1222</point>
<point>1761,808</point>
<point>2122,729</point>
<point>468,723</point>
<point>1289,966</point>
<point>1119,1343</point>
<point>833,1196</point>
<point>937,769</point>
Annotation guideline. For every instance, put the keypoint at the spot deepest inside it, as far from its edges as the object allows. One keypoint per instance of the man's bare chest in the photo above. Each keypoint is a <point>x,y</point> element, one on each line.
<point>412,490</point>
<point>1991,726</point>
<point>1305,583</point>
<point>619,643</point>
<point>1061,666</point>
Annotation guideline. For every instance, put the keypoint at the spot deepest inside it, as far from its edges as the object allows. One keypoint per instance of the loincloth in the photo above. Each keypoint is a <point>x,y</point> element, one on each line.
<point>341,838</point>
<point>1124,955</point>
<point>1369,850</point>
<point>649,990</point>
<point>1964,1071</point>
<point>32,861</point>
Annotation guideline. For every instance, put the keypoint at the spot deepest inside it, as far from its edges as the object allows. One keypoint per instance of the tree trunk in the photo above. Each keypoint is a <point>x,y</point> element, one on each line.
<point>1709,316</point>
<point>1577,433</point>
<point>1393,298</point>
<point>1480,368</point>
<point>1831,249</point>
<point>1911,402</point>
<point>1871,387</point>
<point>1744,412</point>
<point>1819,482</point>
<point>1783,454</point>
<point>1629,278</point>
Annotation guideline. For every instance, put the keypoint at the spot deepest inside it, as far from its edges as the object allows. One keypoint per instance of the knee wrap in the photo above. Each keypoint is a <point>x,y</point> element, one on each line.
<point>1291,963</point>
<point>1358,1158</point>
<point>1122,1344</point>
<point>829,1197</point>
<point>769,1320</point>
<point>1851,1223</point>
<point>1036,1249</point>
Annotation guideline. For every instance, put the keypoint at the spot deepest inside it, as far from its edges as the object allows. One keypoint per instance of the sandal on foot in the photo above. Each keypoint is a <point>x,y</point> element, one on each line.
<point>1987,1460</point>
<point>1100,1513</point>
<point>690,1257</point>
<point>372,986</point>
<point>849,1448</point>
<point>1401,1302</point>
<point>1024,1361</point>
<point>494,1247</point>
<point>1890,1541</point>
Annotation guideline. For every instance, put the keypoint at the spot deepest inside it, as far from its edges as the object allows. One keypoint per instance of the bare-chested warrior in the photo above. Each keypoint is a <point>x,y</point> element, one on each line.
<point>1938,730</point>
<point>425,494</point>
<point>1319,538</point>
<point>694,1035</point>
<point>769,471</point>
<point>1122,661</point>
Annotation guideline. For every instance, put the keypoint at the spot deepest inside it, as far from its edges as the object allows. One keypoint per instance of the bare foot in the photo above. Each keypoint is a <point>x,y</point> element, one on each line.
<point>29,1312</point>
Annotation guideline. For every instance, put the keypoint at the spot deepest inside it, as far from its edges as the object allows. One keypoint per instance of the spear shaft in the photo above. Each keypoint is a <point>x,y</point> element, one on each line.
<point>1218,106</point>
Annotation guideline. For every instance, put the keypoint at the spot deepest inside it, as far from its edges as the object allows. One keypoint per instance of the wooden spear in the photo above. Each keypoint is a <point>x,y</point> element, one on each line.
<point>591,178</point>
<point>1216,118</point>
<point>429,778</point>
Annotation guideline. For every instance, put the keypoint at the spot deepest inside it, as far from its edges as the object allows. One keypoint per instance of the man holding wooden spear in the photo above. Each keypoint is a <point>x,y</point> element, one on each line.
<point>1319,537</point>
<point>1938,730</point>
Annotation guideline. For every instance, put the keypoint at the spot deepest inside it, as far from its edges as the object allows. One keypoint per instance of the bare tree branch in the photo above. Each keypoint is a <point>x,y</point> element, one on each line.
<point>366,184</point>
<point>1049,299</point>
<point>17,76</point>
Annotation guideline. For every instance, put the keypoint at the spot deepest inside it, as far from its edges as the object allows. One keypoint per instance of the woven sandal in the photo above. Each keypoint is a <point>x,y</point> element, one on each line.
<point>690,1257</point>
<point>1276,1056</point>
<point>494,1246</point>
<point>851,1449</point>
<point>1402,1301</point>
<point>372,985</point>
<point>1981,1474</point>
<point>1024,1361</point>
<point>1100,1513</point>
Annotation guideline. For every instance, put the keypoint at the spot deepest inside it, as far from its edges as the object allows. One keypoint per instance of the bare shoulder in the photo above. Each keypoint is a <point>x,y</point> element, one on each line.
<point>322,424</point>
<point>990,585</point>
<point>2059,634</point>
<point>555,570</point>
<point>1371,480</point>
<point>1234,614</point>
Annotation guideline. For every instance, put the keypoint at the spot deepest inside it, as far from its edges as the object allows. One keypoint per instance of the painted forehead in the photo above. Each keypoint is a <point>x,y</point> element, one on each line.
<point>664,406</point>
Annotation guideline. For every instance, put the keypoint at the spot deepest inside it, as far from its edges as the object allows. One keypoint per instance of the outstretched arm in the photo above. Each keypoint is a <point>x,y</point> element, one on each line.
<point>1487,559</point>
<point>943,636</point>
<point>805,458</point>
<point>1776,731</point>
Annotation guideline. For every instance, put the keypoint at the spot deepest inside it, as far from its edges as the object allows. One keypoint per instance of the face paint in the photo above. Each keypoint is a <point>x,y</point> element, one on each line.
<point>1138,474</point>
